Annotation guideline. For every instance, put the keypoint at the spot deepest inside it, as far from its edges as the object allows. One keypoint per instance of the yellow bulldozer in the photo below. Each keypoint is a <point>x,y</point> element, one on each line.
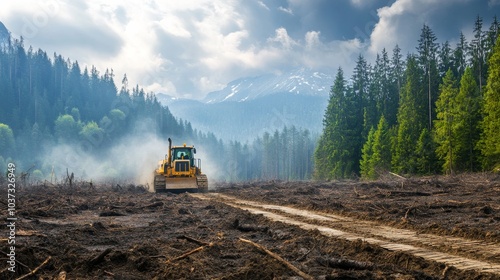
<point>180,171</point>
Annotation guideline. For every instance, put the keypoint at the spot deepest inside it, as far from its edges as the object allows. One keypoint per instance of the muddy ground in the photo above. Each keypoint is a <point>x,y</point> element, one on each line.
<point>464,206</point>
<point>112,232</point>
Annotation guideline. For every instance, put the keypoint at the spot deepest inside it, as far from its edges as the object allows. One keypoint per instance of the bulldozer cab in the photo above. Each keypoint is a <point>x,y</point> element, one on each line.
<point>183,154</point>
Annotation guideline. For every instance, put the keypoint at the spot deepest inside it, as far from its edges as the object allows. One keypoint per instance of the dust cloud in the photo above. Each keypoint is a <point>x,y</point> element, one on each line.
<point>131,159</point>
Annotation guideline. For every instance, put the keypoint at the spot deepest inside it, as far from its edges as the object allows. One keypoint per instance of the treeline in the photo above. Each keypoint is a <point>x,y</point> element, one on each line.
<point>282,155</point>
<point>435,111</point>
<point>56,116</point>
<point>49,102</point>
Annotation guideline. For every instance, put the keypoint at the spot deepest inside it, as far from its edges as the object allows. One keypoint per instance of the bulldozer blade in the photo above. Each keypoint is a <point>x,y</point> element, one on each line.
<point>181,184</point>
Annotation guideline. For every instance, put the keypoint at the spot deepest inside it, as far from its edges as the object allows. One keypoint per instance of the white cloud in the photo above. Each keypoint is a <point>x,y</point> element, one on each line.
<point>283,39</point>
<point>188,48</point>
<point>285,10</point>
<point>399,24</point>
<point>263,5</point>
<point>183,48</point>
<point>312,40</point>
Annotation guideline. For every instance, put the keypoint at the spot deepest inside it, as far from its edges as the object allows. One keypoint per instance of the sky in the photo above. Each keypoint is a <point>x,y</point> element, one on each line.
<point>191,47</point>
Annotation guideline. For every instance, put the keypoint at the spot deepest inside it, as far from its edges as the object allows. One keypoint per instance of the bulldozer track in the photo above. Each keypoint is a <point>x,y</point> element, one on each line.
<point>461,253</point>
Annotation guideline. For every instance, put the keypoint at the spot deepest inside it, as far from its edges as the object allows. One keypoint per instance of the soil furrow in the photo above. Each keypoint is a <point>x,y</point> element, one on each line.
<point>453,251</point>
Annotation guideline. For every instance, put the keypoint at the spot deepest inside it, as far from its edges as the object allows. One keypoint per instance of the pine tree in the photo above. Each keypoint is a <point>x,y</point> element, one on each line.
<point>339,149</point>
<point>460,56</point>
<point>447,114</point>
<point>328,152</point>
<point>366,168</point>
<point>478,53</point>
<point>490,137</point>
<point>491,37</point>
<point>426,156</point>
<point>397,69</point>
<point>381,158</point>
<point>445,59</point>
<point>427,52</point>
<point>411,120</point>
<point>363,95</point>
<point>469,111</point>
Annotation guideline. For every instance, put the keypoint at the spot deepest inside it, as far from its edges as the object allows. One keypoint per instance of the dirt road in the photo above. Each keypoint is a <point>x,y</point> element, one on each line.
<point>468,254</point>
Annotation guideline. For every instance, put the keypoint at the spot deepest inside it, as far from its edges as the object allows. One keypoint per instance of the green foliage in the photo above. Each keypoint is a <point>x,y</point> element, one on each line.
<point>66,129</point>
<point>448,117</point>
<point>366,168</point>
<point>116,115</point>
<point>425,153</point>
<point>76,114</point>
<point>7,142</point>
<point>410,119</point>
<point>468,119</point>
<point>490,137</point>
<point>339,150</point>
<point>381,158</point>
<point>376,152</point>
<point>92,133</point>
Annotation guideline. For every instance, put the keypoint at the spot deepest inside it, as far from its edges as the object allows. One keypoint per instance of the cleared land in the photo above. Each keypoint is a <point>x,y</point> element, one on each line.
<point>426,228</point>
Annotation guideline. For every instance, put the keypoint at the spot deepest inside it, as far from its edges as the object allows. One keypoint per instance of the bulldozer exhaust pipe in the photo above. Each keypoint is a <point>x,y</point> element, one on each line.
<point>169,151</point>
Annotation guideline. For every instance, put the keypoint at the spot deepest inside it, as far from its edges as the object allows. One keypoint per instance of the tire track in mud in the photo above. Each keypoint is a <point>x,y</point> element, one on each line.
<point>466,254</point>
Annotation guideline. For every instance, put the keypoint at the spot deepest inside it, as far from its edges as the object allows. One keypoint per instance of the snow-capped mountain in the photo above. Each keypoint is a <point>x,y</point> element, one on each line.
<point>248,107</point>
<point>301,81</point>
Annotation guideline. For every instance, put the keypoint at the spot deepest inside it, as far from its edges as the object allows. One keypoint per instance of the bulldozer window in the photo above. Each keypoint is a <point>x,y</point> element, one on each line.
<point>182,153</point>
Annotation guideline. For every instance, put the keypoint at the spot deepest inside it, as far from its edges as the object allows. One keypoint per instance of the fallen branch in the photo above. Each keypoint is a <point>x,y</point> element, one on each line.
<point>191,239</point>
<point>100,257</point>
<point>280,259</point>
<point>396,175</point>
<point>187,254</point>
<point>36,269</point>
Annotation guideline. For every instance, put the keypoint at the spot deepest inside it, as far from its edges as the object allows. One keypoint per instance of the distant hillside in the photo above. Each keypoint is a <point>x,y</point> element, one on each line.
<point>4,34</point>
<point>250,106</point>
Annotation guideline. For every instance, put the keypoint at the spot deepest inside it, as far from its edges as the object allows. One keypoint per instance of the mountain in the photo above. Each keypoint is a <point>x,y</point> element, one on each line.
<point>248,107</point>
<point>4,35</point>
<point>299,81</point>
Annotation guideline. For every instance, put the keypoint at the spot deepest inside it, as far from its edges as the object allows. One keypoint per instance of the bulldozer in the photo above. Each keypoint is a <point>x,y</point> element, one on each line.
<point>180,171</point>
